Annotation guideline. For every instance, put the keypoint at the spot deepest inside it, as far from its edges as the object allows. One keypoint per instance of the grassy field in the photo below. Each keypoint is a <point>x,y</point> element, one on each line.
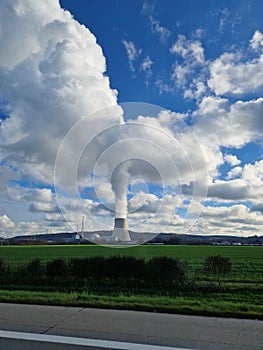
<point>247,261</point>
<point>18,254</point>
<point>242,295</point>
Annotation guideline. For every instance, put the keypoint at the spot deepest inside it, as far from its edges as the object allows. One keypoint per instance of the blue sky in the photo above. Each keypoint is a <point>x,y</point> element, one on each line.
<point>194,72</point>
<point>222,25</point>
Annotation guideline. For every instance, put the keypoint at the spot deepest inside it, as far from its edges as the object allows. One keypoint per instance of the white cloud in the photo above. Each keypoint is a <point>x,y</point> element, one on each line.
<point>157,28</point>
<point>196,90</point>
<point>232,159</point>
<point>155,25</point>
<point>146,64</point>
<point>13,193</point>
<point>104,191</point>
<point>51,74</point>
<point>191,62</point>
<point>190,49</point>
<point>9,229</point>
<point>258,207</point>
<point>213,106</point>
<point>253,175</point>
<point>143,202</point>
<point>132,53</point>
<point>199,33</point>
<point>222,124</point>
<point>54,217</point>
<point>7,174</point>
<point>39,195</point>
<point>232,220</point>
<point>224,14</point>
<point>6,223</point>
<point>232,190</point>
<point>257,40</point>
<point>226,19</point>
<point>43,207</point>
<point>153,214</point>
<point>234,173</point>
<point>181,73</point>
<point>136,63</point>
<point>249,185</point>
<point>163,86</point>
<point>232,74</point>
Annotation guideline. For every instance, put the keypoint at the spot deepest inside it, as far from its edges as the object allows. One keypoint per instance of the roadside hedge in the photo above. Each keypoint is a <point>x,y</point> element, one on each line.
<point>114,273</point>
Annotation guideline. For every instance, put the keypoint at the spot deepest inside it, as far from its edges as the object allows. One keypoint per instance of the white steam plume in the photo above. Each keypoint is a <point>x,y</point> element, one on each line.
<point>120,181</point>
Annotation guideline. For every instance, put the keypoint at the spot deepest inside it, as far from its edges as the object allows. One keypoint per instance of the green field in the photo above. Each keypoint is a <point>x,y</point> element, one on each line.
<point>247,261</point>
<point>240,296</point>
<point>18,254</point>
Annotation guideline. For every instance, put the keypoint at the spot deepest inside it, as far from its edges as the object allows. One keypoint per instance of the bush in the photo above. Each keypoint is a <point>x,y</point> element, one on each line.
<point>80,268</point>
<point>125,268</point>
<point>4,271</point>
<point>34,269</point>
<point>116,274</point>
<point>218,266</point>
<point>165,270</point>
<point>57,268</point>
<point>115,267</point>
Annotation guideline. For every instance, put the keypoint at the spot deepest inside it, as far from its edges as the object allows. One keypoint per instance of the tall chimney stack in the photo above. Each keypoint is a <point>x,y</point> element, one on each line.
<point>121,232</point>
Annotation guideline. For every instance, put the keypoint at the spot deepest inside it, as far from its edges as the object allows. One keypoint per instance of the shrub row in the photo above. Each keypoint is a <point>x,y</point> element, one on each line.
<point>104,271</point>
<point>111,274</point>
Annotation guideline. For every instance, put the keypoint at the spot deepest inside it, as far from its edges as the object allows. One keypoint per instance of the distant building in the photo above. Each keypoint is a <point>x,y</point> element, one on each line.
<point>226,243</point>
<point>48,237</point>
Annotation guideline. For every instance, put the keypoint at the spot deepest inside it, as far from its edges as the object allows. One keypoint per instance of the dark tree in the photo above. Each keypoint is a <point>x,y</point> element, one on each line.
<point>218,266</point>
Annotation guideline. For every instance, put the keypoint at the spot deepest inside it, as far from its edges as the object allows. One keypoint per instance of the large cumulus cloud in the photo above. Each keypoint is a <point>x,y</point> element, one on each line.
<point>52,75</point>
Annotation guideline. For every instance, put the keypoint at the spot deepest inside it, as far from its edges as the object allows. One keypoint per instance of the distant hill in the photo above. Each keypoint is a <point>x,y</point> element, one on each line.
<point>211,239</point>
<point>137,238</point>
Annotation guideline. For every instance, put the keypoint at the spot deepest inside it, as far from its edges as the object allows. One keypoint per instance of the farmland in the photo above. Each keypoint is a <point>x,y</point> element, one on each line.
<point>247,261</point>
<point>241,294</point>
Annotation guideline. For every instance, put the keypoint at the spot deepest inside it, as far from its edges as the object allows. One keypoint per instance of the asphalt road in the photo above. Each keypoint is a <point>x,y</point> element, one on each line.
<point>190,332</point>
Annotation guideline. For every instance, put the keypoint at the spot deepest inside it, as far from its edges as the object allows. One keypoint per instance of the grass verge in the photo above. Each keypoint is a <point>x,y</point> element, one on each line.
<point>207,306</point>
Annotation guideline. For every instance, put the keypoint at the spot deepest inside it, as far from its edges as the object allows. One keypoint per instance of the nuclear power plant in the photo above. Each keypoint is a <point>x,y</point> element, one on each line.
<point>121,232</point>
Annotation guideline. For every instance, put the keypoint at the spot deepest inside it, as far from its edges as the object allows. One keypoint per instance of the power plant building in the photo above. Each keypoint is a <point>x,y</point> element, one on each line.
<point>121,232</point>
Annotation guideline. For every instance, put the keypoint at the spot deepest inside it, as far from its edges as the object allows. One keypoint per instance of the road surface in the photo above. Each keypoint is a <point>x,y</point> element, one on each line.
<point>189,332</point>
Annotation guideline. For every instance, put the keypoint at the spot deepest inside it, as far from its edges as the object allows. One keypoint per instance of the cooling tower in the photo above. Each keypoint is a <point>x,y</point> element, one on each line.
<point>121,232</point>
